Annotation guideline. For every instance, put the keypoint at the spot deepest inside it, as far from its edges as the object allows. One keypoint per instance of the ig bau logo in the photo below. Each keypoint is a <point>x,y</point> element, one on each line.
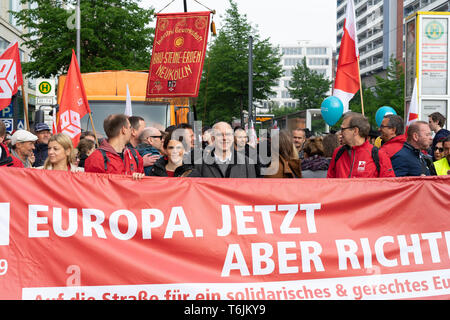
<point>4,223</point>
<point>8,78</point>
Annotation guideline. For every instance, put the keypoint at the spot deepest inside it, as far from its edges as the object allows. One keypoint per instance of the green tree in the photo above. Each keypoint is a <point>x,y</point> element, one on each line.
<point>387,91</point>
<point>114,35</point>
<point>224,88</point>
<point>308,87</point>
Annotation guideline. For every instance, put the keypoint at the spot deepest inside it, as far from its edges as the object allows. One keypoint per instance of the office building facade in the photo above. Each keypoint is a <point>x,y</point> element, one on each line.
<point>318,58</point>
<point>380,31</point>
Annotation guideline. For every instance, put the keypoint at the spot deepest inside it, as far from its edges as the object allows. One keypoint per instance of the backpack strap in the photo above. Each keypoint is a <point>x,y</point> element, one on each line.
<point>133,152</point>
<point>376,158</point>
<point>105,158</point>
<point>340,152</point>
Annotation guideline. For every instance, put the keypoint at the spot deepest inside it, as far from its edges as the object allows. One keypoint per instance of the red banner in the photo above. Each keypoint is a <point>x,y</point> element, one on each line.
<point>178,54</point>
<point>10,74</point>
<point>107,237</point>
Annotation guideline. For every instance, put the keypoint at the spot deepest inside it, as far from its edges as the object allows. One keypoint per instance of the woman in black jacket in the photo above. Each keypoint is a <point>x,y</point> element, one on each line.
<point>172,164</point>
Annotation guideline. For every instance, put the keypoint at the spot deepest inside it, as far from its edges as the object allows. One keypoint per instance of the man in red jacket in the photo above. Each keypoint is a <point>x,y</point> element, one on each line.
<point>6,159</point>
<point>392,134</point>
<point>113,156</point>
<point>356,158</point>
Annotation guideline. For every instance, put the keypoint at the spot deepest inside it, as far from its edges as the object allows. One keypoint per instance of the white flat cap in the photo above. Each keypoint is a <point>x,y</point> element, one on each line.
<point>22,136</point>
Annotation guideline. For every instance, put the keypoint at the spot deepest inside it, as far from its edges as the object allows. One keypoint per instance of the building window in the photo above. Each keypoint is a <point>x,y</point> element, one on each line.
<point>14,5</point>
<point>285,94</point>
<point>318,61</point>
<point>316,51</point>
<point>291,51</point>
<point>3,45</point>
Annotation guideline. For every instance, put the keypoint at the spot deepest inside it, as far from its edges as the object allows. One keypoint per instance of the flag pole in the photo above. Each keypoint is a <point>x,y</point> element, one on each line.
<point>93,128</point>
<point>25,107</point>
<point>360,88</point>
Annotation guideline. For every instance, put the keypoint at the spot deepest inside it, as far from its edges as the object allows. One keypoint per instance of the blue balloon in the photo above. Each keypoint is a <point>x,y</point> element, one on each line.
<point>381,112</point>
<point>332,109</point>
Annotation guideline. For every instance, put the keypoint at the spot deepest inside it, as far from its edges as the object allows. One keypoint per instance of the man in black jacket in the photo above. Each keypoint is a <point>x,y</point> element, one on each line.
<point>42,131</point>
<point>223,161</point>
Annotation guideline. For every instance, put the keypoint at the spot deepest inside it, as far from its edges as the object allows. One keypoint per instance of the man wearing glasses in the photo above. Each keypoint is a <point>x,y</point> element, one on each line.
<point>150,147</point>
<point>356,159</point>
<point>392,134</point>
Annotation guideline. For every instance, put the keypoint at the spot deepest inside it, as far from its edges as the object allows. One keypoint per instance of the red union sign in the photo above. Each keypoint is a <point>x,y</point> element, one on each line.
<point>107,237</point>
<point>178,54</point>
<point>10,74</point>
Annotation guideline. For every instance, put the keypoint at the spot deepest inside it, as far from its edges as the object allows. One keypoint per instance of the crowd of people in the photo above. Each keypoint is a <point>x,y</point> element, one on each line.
<point>132,148</point>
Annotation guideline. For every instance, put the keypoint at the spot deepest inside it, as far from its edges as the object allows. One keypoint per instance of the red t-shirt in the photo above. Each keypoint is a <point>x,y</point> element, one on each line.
<point>170,173</point>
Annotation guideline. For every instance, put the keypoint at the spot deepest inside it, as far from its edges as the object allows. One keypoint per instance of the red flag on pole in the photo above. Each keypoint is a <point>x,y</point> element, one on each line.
<point>10,74</point>
<point>347,73</point>
<point>74,104</point>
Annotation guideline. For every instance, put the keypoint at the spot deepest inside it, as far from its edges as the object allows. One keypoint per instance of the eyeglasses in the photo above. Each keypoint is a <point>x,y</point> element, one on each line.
<point>342,129</point>
<point>382,126</point>
<point>440,149</point>
<point>160,137</point>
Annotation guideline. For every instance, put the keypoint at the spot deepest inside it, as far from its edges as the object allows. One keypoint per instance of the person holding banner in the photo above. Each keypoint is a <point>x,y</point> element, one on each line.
<point>172,165</point>
<point>357,158</point>
<point>6,159</point>
<point>60,154</point>
<point>113,156</point>
<point>223,161</point>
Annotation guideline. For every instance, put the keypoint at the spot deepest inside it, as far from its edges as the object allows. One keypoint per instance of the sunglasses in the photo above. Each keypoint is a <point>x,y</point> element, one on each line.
<point>440,149</point>
<point>160,137</point>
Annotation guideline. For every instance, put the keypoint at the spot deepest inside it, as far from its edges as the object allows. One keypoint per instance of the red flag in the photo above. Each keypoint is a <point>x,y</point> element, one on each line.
<point>10,74</point>
<point>347,73</point>
<point>413,109</point>
<point>74,104</point>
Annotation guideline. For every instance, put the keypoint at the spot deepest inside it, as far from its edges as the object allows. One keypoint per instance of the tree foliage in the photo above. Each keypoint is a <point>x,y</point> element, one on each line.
<point>114,35</point>
<point>387,91</point>
<point>308,87</point>
<point>224,87</point>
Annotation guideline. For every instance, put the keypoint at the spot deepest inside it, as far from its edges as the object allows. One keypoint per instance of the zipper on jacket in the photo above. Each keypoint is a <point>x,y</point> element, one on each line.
<point>353,162</point>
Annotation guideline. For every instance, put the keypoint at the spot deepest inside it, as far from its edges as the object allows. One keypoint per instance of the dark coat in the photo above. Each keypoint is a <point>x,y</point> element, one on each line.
<point>159,169</point>
<point>144,149</point>
<point>239,167</point>
<point>40,154</point>
<point>410,161</point>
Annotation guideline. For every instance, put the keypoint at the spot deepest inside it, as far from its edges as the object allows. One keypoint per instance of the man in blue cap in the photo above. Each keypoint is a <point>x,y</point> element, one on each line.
<point>42,131</point>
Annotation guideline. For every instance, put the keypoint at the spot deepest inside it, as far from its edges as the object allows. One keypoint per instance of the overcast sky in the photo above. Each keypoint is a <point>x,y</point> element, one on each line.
<point>283,21</point>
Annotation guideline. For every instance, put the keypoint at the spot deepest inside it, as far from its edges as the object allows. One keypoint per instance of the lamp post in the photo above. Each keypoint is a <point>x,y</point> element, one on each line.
<point>78,27</point>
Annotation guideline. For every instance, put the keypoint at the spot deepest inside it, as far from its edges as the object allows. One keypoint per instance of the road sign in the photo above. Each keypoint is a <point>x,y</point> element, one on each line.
<point>45,101</point>
<point>20,124</point>
<point>45,88</point>
<point>8,112</point>
<point>9,124</point>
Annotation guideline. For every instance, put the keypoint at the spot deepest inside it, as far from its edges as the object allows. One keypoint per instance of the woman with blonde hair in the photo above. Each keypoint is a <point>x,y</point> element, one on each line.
<point>60,154</point>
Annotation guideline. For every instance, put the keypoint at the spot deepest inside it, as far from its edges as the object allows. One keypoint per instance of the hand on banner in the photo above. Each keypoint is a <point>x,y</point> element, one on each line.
<point>138,176</point>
